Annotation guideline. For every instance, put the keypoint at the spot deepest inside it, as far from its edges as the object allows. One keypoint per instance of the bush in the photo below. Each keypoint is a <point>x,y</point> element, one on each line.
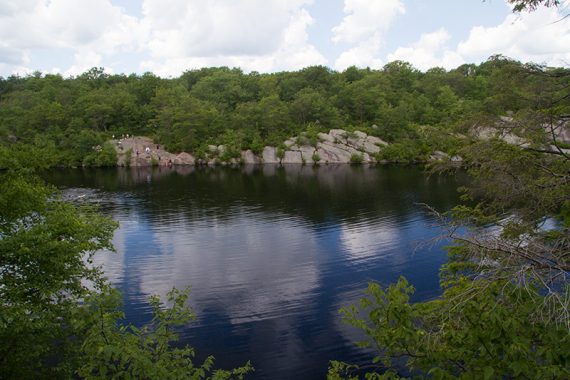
<point>280,151</point>
<point>128,157</point>
<point>356,158</point>
<point>405,151</point>
<point>106,155</point>
<point>316,157</point>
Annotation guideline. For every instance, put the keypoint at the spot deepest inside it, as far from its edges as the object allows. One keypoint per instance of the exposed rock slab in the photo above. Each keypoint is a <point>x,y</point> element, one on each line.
<point>269,155</point>
<point>184,159</point>
<point>248,157</point>
<point>292,157</point>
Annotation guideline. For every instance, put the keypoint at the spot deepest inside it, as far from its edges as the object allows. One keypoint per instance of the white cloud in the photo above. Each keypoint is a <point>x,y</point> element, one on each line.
<point>542,36</point>
<point>212,28</point>
<point>286,46</point>
<point>170,35</point>
<point>83,61</point>
<point>364,26</point>
<point>95,26</point>
<point>365,18</point>
<point>429,51</point>
<point>365,54</point>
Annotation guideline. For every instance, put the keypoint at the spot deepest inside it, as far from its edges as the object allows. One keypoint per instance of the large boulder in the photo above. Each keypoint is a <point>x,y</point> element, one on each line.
<point>338,135</point>
<point>184,159</point>
<point>269,155</point>
<point>333,153</point>
<point>249,158</point>
<point>292,157</point>
<point>307,152</point>
<point>325,137</point>
<point>439,156</point>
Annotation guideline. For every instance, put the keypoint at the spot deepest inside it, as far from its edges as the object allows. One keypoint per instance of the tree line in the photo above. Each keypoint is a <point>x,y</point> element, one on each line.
<point>68,120</point>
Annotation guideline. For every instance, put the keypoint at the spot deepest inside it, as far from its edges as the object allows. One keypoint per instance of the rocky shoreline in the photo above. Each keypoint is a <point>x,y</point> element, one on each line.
<point>336,147</point>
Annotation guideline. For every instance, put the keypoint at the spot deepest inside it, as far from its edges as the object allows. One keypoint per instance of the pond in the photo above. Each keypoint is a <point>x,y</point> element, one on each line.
<point>271,253</point>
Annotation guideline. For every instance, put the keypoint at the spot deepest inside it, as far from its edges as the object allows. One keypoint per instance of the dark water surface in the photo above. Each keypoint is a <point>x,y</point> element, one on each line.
<point>271,253</point>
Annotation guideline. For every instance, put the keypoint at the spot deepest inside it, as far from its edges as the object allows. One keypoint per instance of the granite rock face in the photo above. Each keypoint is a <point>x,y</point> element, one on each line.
<point>249,158</point>
<point>184,159</point>
<point>336,147</point>
<point>269,155</point>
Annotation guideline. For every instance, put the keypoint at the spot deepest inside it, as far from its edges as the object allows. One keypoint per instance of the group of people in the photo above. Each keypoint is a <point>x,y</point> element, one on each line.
<point>147,149</point>
<point>120,142</point>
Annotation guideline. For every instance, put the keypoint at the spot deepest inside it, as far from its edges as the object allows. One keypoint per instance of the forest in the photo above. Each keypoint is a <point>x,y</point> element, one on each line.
<point>62,120</point>
<point>504,308</point>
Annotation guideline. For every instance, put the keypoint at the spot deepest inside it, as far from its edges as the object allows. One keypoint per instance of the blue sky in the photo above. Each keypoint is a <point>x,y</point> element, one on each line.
<point>170,36</point>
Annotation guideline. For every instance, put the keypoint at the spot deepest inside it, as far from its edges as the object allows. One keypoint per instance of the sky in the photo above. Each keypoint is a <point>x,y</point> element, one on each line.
<point>168,37</point>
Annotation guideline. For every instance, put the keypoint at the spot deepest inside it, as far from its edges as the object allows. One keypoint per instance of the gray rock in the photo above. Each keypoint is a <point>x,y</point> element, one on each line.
<point>456,159</point>
<point>292,157</point>
<point>333,153</point>
<point>269,155</point>
<point>307,153</point>
<point>325,137</point>
<point>290,142</point>
<point>184,159</point>
<point>439,156</point>
<point>376,141</point>
<point>338,135</point>
<point>360,135</point>
<point>249,158</point>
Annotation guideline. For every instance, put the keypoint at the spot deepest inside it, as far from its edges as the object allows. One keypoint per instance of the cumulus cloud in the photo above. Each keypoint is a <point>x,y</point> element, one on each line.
<point>429,51</point>
<point>170,35</point>
<point>542,36</point>
<point>365,54</point>
<point>96,26</point>
<point>285,43</point>
<point>364,26</point>
<point>365,18</point>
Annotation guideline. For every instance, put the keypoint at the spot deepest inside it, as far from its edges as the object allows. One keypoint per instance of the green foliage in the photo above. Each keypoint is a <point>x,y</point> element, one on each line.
<point>58,316</point>
<point>316,158</point>
<point>114,350</point>
<point>45,249</point>
<point>280,151</point>
<point>504,309</point>
<point>105,155</point>
<point>128,157</point>
<point>75,114</point>
<point>233,142</point>
<point>492,333</point>
<point>405,151</point>
<point>531,5</point>
<point>356,158</point>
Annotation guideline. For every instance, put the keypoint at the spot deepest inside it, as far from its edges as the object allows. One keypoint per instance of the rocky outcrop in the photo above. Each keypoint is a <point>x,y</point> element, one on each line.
<point>249,158</point>
<point>269,155</point>
<point>336,147</point>
<point>142,151</point>
<point>184,159</point>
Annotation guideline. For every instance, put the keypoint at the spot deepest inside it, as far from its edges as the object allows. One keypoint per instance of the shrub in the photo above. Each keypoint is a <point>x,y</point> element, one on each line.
<point>105,156</point>
<point>128,157</point>
<point>356,158</point>
<point>280,152</point>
